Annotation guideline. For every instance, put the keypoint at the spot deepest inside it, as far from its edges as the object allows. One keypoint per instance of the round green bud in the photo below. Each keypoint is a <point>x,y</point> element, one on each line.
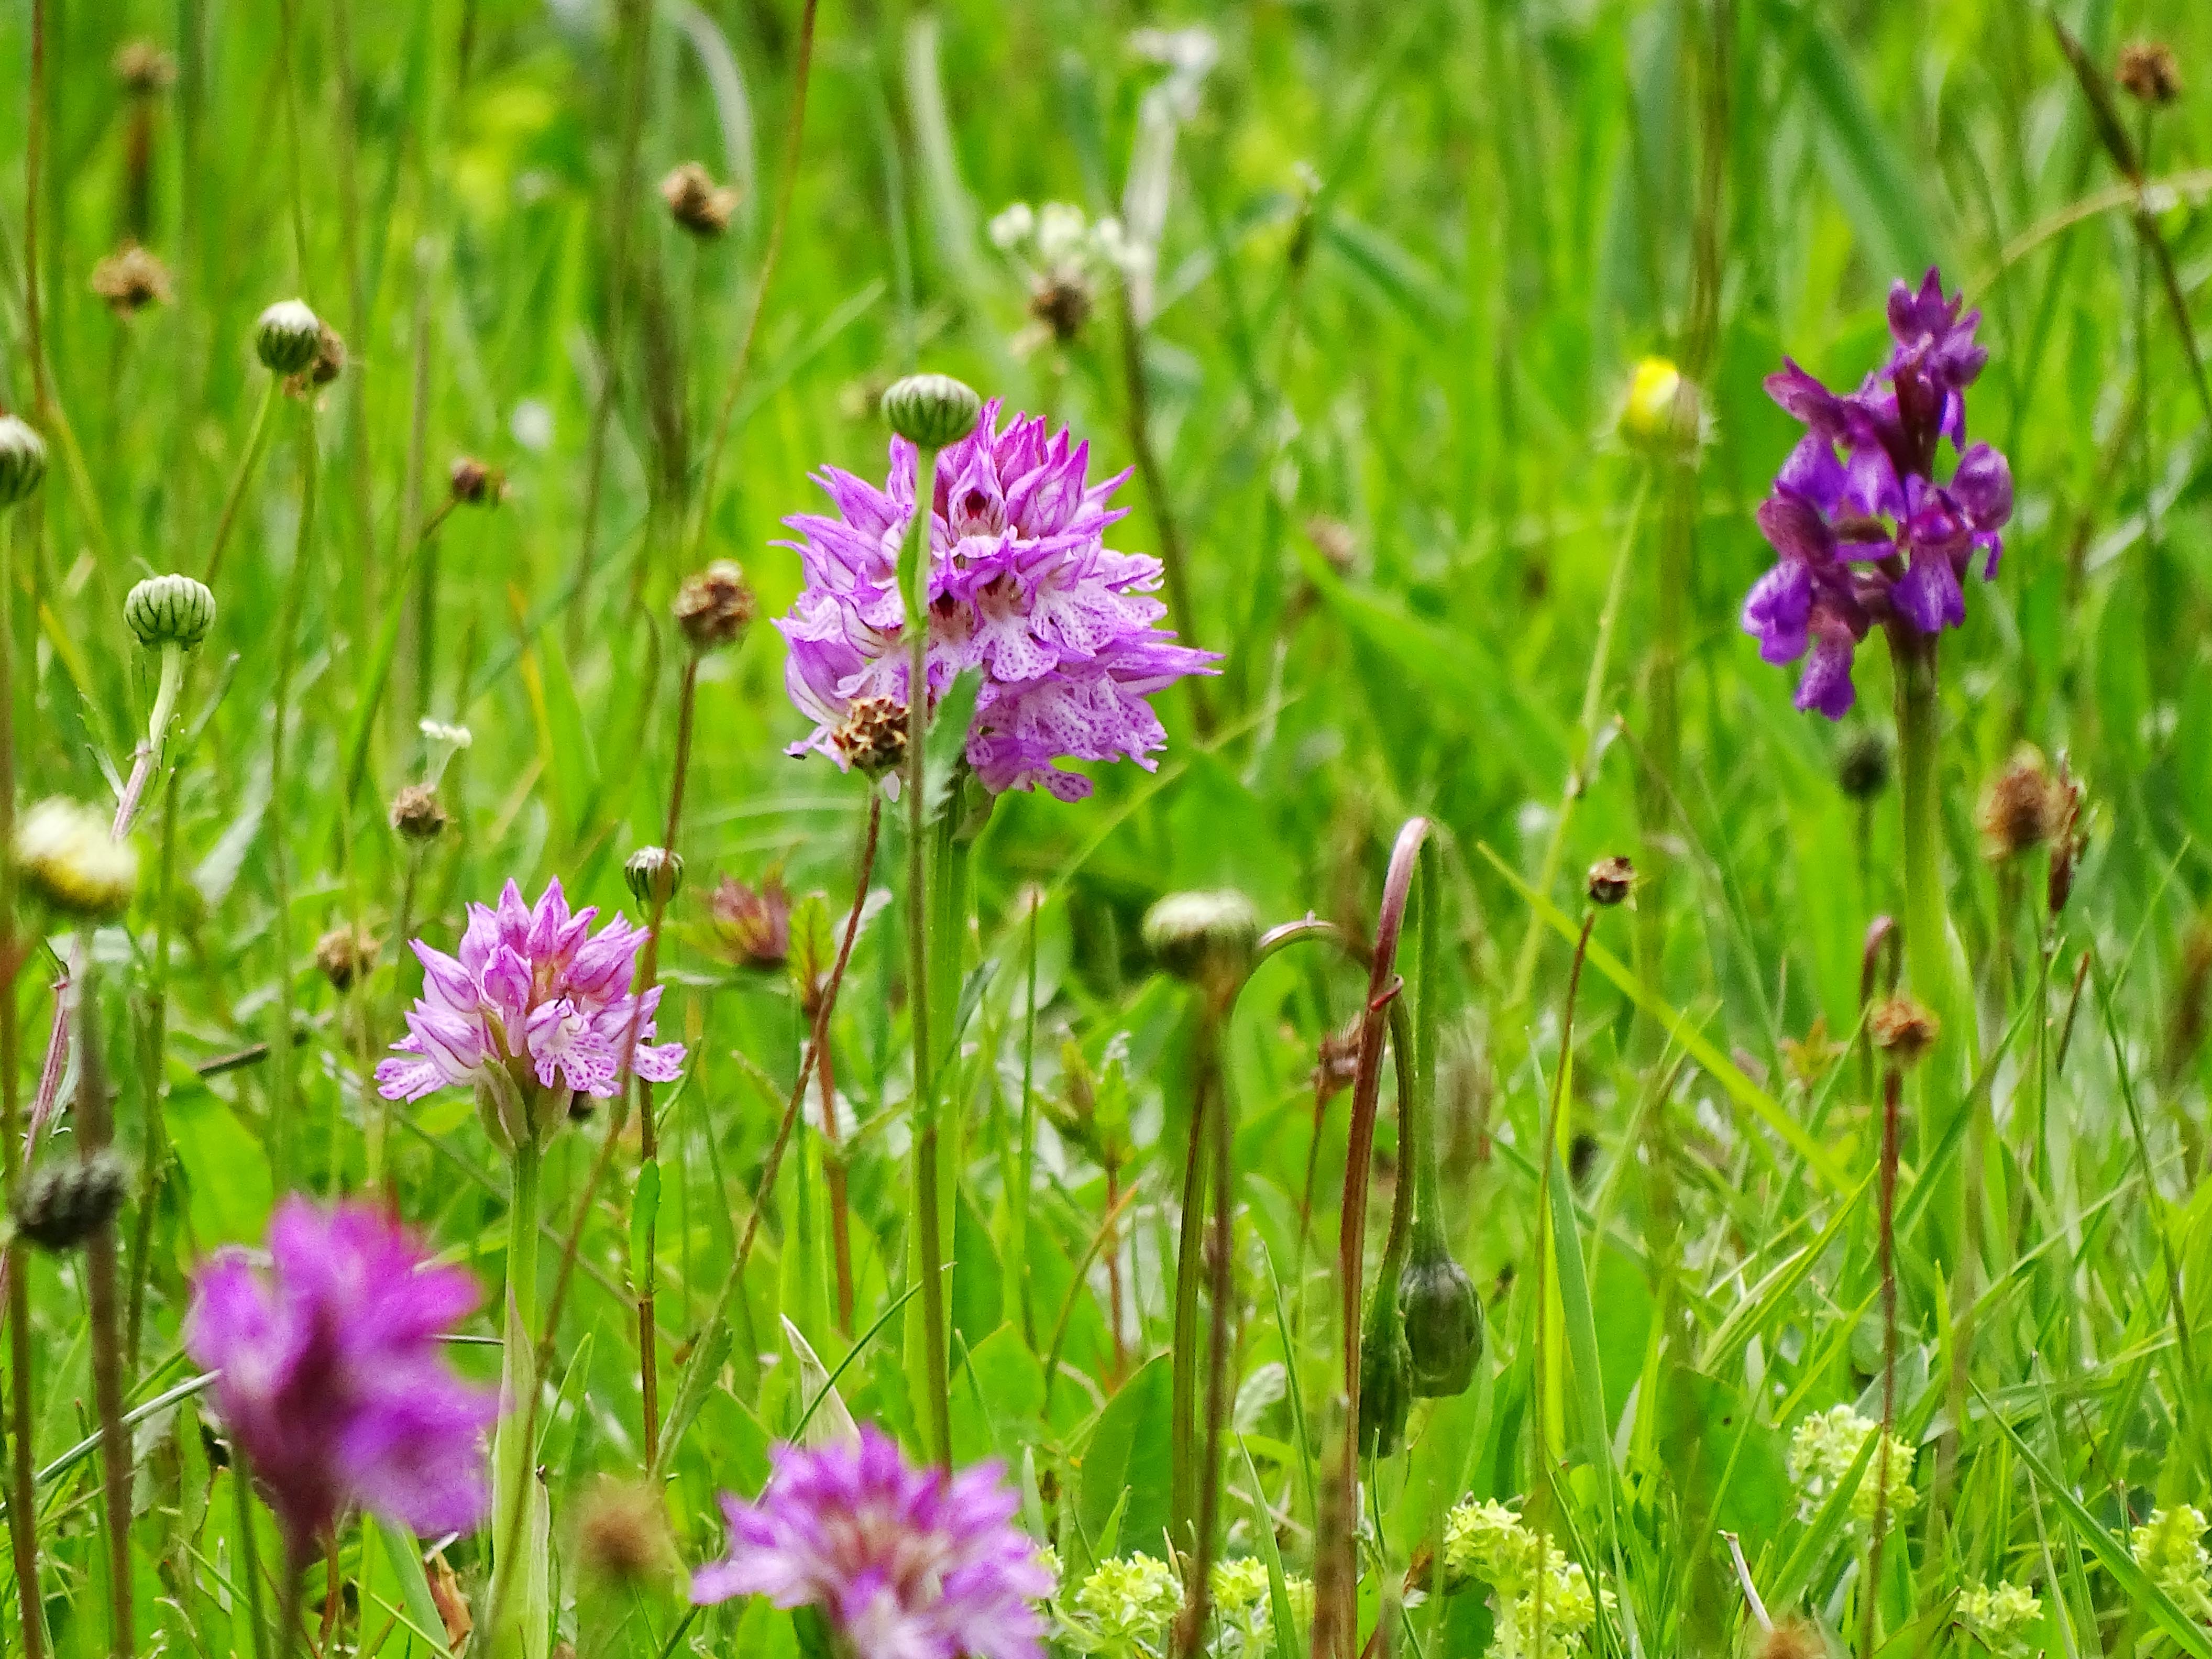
<point>655,875</point>
<point>67,858</point>
<point>169,610</point>
<point>1443,1319</point>
<point>59,1207</point>
<point>288,337</point>
<point>1386,1380</point>
<point>931,411</point>
<point>22,460</point>
<point>1203,938</point>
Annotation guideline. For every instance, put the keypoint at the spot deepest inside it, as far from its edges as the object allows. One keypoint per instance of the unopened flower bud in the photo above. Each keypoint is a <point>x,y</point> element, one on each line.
<point>2148,74</point>
<point>68,859</point>
<point>655,875</point>
<point>1904,1029</point>
<point>754,923</point>
<point>59,1207</point>
<point>696,202</point>
<point>171,610</point>
<point>417,814</point>
<point>621,1534</point>
<point>345,954</point>
<point>475,484</point>
<point>325,365</point>
<point>131,279</point>
<point>287,337</point>
<point>1443,1320</point>
<point>1205,937</point>
<point>22,460</point>
<point>714,605</point>
<point>872,737</point>
<point>1660,412</point>
<point>1386,1380</point>
<point>1611,880</point>
<point>931,411</point>
<point>1862,767</point>
<point>2017,810</point>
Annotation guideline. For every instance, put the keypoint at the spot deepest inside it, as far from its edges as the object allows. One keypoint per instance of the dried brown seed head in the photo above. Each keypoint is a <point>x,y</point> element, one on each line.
<point>345,954</point>
<point>2017,809</point>
<point>2148,74</point>
<point>714,605</point>
<point>696,202</point>
<point>1904,1029</point>
<point>131,279</point>
<point>1611,880</point>
<point>417,814</point>
<point>873,736</point>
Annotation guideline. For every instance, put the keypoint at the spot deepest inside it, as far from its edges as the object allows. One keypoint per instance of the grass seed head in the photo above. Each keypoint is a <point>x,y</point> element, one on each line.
<point>1904,1029</point>
<point>345,954</point>
<point>144,70</point>
<point>873,735</point>
<point>2018,809</point>
<point>1204,937</point>
<point>1863,766</point>
<point>475,484</point>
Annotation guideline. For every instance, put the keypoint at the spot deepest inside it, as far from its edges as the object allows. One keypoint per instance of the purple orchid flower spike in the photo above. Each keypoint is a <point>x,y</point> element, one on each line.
<point>1866,531</point>
<point>1022,586</point>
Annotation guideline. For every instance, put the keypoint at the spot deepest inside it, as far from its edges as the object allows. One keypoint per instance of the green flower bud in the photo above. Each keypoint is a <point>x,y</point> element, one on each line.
<point>287,337</point>
<point>62,1205</point>
<point>22,460</point>
<point>169,611</point>
<point>931,411</point>
<point>68,858</point>
<point>1203,938</point>
<point>1443,1320</point>
<point>1386,1379</point>
<point>655,875</point>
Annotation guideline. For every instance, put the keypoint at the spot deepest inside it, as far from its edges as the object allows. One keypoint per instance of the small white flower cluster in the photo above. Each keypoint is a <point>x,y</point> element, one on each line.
<point>1542,1602</point>
<point>1064,258</point>
<point>2170,1547</point>
<point>1126,1606</point>
<point>1822,1449</point>
<point>1998,1617</point>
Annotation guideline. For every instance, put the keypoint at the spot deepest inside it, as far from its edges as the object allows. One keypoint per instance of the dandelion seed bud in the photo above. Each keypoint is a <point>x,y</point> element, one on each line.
<point>696,202</point>
<point>1661,413</point>
<point>1443,1320</point>
<point>873,738</point>
<point>59,1207</point>
<point>2017,809</point>
<point>22,460</point>
<point>1610,881</point>
<point>655,875</point>
<point>287,337</point>
<point>1904,1029</point>
<point>68,859</point>
<point>1203,938</point>
<point>622,1536</point>
<point>345,954</point>
<point>475,484</point>
<point>754,923</point>
<point>131,279</point>
<point>1386,1380</point>
<point>173,610</point>
<point>2148,74</point>
<point>714,605</point>
<point>931,411</point>
<point>417,814</point>
<point>144,69</point>
<point>1862,767</point>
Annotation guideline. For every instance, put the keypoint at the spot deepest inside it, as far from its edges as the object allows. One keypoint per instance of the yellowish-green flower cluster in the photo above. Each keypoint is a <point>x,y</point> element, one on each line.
<point>1998,1617</point>
<point>1542,1602</point>
<point>2170,1547</point>
<point>1125,1606</point>
<point>1821,1453</point>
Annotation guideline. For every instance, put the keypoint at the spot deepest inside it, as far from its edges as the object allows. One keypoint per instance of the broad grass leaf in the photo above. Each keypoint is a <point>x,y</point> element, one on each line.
<point>226,1170</point>
<point>1865,167</point>
<point>1129,1452</point>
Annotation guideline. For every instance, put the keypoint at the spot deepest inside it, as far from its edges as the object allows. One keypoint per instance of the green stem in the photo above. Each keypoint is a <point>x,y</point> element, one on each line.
<point>95,1131</point>
<point>246,1560</point>
<point>518,1569</point>
<point>1190,1261</point>
<point>257,439</point>
<point>280,874</point>
<point>1926,933</point>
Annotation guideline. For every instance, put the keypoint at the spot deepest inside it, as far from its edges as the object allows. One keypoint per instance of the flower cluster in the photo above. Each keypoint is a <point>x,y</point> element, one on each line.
<point>2170,1547</point>
<point>1022,586</point>
<point>1866,532</point>
<point>332,1384</point>
<point>1822,1449</point>
<point>1064,258</point>
<point>1998,1617</point>
<point>1543,1603</point>
<point>1126,1604</point>
<point>901,1561</point>
<point>533,1011</point>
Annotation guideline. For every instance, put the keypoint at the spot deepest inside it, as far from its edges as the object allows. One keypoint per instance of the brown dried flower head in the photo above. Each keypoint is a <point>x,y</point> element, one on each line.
<point>1904,1029</point>
<point>1793,1638</point>
<point>1611,880</point>
<point>696,203</point>
<point>1062,303</point>
<point>873,736</point>
<point>325,365</point>
<point>131,279</point>
<point>417,814</point>
<point>753,923</point>
<point>475,484</point>
<point>2068,837</point>
<point>2018,808</point>
<point>621,1534</point>
<point>2148,73</point>
<point>345,954</point>
<point>714,605</point>
<point>144,69</point>
<point>1336,1065</point>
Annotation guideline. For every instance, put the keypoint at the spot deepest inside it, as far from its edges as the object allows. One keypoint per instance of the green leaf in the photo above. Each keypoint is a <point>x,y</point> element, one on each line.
<point>226,1171</point>
<point>1865,168</point>
<point>404,1555</point>
<point>1128,1453</point>
<point>947,742</point>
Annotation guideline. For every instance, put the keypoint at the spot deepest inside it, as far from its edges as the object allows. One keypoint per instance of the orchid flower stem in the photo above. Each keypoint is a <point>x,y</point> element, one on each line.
<point>1892,1093</point>
<point>518,1567</point>
<point>95,1130</point>
<point>248,1567</point>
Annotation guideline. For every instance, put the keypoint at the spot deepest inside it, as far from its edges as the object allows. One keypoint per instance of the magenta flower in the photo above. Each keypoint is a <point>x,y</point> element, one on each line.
<point>531,1013</point>
<point>332,1382</point>
<point>903,1563</point>
<point>1021,585</point>
<point>1866,532</point>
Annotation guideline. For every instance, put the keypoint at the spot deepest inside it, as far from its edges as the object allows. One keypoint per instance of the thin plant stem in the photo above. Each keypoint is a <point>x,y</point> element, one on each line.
<point>257,440</point>
<point>249,1565</point>
<point>95,1131</point>
<point>1893,1095</point>
<point>34,146</point>
<point>23,1513</point>
<point>290,1609</point>
<point>1190,1255</point>
<point>156,1069</point>
<point>1026,1161</point>
<point>1221,1340</point>
<point>280,874</point>
<point>512,1476</point>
